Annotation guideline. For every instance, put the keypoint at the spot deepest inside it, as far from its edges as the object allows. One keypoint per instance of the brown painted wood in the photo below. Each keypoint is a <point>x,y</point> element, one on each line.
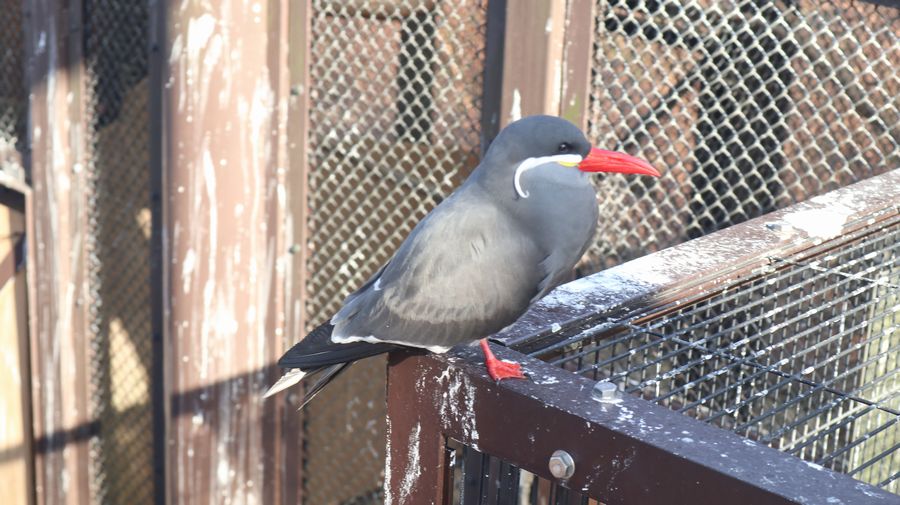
<point>57,276</point>
<point>577,61</point>
<point>532,58</point>
<point>415,466</point>
<point>628,452</point>
<point>223,167</point>
<point>290,455</point>
<point>16,456</point>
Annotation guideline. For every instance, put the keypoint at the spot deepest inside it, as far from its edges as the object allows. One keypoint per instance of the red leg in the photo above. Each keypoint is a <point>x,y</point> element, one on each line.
<point>499,370</point>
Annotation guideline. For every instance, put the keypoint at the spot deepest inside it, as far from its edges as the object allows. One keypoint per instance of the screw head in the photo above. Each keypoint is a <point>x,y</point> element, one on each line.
<point>561,464</point>
<point>605,391</point>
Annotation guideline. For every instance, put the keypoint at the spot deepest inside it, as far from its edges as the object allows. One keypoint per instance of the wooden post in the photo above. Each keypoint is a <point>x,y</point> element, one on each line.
<point>290,451</point>
<point>222,110</point>
<point>16,457</point>
<point>578,57</point>
<point>56,248</point>
<point>532,58</point>
<point>415,468</point>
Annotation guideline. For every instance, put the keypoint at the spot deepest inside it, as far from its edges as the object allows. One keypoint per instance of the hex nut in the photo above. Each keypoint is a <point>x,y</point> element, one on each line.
<point>605,391</point>
<point>561,464</point>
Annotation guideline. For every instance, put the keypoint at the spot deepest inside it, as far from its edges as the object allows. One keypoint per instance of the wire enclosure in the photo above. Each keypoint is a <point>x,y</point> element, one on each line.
<point>802,357</point>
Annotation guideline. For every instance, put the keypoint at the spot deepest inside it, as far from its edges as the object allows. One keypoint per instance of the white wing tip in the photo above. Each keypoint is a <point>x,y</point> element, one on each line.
<point>293,376</point>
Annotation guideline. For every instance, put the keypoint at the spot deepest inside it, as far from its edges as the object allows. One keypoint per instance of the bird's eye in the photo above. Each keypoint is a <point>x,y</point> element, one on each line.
<point>564,147</point>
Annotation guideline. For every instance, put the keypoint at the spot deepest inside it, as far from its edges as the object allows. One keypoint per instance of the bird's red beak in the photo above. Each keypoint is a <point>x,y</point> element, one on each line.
<point>599,160</point>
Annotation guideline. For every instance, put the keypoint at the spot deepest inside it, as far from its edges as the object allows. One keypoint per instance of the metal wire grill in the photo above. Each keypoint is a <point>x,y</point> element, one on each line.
<point>746,105</point>
<point>803,358</point>
<point>13,97</point>
<point>480,479</point>
<point>119,243</point>
<point>396,126</point>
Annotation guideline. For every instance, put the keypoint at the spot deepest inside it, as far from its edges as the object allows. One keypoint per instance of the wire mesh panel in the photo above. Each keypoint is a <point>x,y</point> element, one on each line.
<point>394,127</point>
<point>803,357</point>
<point>13,98</point>
<point>118,131</point>
<point>745,105</point>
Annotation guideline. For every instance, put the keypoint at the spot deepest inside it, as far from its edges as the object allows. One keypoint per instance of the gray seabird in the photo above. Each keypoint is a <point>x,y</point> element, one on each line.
<point>510,234</point>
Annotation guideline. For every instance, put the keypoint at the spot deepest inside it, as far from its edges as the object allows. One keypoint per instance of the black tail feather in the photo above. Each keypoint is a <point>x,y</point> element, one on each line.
<point>323,380</point>
<point>317,351</point>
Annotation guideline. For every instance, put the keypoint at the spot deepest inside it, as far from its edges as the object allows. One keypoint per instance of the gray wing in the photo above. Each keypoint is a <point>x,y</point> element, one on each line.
<point>466,271</point>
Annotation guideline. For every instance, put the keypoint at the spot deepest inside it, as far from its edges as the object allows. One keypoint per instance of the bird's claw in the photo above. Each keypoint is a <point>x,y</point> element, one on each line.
<point>499,370</point>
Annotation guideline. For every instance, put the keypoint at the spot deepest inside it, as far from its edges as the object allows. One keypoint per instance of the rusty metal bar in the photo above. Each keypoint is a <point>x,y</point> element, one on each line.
<point>57,263</point>
<point>629,451</point>
<point>223,196</point>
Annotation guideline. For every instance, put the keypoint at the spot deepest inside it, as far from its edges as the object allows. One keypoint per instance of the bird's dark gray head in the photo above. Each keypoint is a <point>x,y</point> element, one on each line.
<point>538,141</point>
<point>537,137</point>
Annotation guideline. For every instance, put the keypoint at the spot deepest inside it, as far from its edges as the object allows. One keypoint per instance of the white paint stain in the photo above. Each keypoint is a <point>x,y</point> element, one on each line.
<point>454,409</point>
<point>820,223</point>
<point>413,466</point>
<point>177,47</point>
<point>187,270</point>
<point>200,29</point>
<point>515,112</point>
<point>557,85</point>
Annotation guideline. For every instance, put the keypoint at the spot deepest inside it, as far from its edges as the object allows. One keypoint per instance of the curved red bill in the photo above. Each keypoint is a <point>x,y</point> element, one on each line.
<point>599,160</point>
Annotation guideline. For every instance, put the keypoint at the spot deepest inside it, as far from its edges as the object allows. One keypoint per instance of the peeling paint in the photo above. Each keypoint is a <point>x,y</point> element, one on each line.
<point>515,112</point>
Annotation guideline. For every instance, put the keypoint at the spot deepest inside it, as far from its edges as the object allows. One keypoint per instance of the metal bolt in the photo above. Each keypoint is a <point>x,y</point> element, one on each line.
<point>605,391</point>
<point>562,466</point>
<point>294,249</point>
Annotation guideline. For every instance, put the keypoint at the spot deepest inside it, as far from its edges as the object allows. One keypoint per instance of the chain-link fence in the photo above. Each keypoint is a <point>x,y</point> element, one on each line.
<point>396,88</point>
<point>116,54</point>
<point>13,95</point>
<point>745,105</point>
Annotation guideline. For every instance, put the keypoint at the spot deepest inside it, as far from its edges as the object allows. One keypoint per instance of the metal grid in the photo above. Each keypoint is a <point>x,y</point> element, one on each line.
<point>395,127</point>
<point>746,105</point>
<point>13,97</point>
<point>116,53</point>
<point>480,479</point>
<point>804,357</point>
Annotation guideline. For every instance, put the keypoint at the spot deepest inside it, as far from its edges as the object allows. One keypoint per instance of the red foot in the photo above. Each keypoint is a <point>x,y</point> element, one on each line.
<point>499,370</point>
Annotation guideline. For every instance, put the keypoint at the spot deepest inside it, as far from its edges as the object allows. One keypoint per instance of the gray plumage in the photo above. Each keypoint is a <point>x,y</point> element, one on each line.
<point>476,262</point>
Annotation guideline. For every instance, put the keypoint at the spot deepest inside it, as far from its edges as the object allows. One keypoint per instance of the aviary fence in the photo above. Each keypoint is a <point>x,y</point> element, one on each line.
<point>754,365</point>
<point>205,182</point>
